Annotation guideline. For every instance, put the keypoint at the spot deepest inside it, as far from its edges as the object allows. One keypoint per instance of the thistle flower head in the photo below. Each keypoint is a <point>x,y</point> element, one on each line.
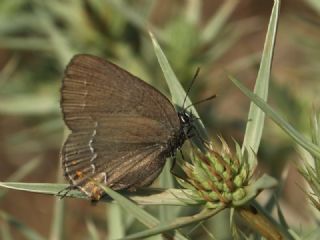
<point>219,177</point>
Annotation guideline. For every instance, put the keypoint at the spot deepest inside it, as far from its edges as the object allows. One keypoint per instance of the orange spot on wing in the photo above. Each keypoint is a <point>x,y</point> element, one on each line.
<point>79,174</point>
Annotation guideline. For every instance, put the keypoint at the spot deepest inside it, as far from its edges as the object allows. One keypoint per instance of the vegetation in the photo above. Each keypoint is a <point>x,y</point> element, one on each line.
<point>249,180</point>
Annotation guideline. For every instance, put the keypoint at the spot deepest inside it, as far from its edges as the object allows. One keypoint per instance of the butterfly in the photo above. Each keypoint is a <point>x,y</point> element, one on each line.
<point>122,129</point>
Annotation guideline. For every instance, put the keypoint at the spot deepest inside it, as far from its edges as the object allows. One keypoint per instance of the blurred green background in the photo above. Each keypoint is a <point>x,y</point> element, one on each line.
<point>38,38</point>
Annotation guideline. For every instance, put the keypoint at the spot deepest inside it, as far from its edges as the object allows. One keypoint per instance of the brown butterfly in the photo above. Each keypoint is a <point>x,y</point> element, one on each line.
<point>122,129</point>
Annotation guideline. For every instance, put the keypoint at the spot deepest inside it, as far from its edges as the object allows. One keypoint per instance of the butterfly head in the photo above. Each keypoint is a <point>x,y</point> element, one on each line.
<point>185,117</point>
<point>187,121</point>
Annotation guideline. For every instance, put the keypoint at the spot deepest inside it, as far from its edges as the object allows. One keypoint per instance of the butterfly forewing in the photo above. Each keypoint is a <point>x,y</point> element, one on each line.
<point>120,126</point>
<point>92,86</point>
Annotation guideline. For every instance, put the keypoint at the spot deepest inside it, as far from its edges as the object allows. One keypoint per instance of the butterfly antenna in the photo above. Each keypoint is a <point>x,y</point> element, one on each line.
<point>201,101</point>
<point>191,84</point>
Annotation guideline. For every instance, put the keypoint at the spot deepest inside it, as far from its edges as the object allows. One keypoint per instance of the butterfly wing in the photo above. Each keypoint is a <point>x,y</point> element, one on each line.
<point>92,86</point>
<point>120,126</point>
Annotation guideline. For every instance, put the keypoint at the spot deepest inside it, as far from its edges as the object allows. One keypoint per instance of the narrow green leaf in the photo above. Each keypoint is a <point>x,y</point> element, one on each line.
<point>284,125</point>
<point>57,224</point>
<point>116,225</point>
<point>315,134</point>
<point>256,117</point>
<point>147,196</point>
<point>178,223</point>
<point>177,92</point>
<point>166,181</point>
<point>143,216</point>
<point>44,188</point>
<point>167,213</point>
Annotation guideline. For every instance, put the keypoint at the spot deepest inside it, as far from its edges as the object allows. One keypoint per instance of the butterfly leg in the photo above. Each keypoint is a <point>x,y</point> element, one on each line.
<point>64,192</point>
<point>174,164</point>
<point>174,161</point>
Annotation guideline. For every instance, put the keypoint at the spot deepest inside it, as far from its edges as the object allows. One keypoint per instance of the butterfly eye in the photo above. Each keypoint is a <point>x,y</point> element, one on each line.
<point>184,117</point>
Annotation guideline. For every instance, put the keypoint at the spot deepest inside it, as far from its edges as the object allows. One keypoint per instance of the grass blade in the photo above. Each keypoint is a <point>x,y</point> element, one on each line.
<point>56,231</point>
<point>176,90</point>
<point>166,181</point>
<point>143,216</point>
<point>116,225</point>
<point>147,196</point>
<point>167,213</point>
<point>178,223</point>
<point>256,117</point>
<point>293,133</point>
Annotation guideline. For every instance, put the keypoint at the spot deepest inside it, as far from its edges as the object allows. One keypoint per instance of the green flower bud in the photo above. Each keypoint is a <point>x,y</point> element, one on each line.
<point>217,177</point>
